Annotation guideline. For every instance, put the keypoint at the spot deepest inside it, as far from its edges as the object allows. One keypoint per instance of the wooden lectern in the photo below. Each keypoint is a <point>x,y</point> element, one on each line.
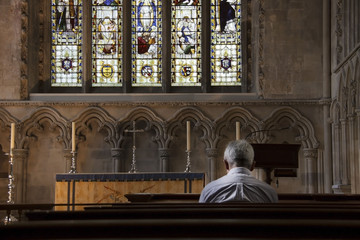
<point>282,157</point>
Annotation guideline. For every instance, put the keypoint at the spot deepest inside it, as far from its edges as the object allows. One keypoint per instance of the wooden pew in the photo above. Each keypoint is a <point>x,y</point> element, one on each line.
<point>184,228</point>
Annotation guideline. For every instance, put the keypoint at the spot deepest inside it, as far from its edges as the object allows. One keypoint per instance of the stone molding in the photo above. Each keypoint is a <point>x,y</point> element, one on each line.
<point>211,130</point>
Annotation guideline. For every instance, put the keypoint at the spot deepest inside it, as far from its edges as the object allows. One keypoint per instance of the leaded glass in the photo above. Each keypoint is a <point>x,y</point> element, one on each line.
<point>106,43</point>
<point>146,43</point>
<point>66,55</point>
<point>226,55</point>
<point>186,39</point>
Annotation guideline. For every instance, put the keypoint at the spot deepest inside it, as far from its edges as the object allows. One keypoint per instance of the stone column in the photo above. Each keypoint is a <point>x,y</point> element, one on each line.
<point>336,153</point>
<point>164,159</point>
<point>212,154</point>
<point>344,154</point>
<point>310,156</point>
<point>327,95</point>
<point>357,150</point>
<point>68,158</point>
<point>351,150</point>
<point>20,173</point>
<point>117,159</point>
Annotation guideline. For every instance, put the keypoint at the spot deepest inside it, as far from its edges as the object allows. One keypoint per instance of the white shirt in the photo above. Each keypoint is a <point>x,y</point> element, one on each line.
<point>238,185</point>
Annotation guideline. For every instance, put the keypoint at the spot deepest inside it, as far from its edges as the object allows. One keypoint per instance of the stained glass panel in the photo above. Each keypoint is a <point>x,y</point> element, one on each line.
<point>226,54</point>
<point>66,55</point>
<point>146,43</point>
<point>106,43</point>
<point>186,39</point>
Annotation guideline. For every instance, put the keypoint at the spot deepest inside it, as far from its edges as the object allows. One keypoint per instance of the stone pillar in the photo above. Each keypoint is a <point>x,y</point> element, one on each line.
<point>68,158</point>
<point>211,154</point>
<point>164,159</point>
<point>20,173</point>
<point>344,154</point>
<point>336,154</point>
<point>327,95</point>
<point>352,154</point>
<point>310,156</point>
<point>357,150</point>
<point>117,160</point>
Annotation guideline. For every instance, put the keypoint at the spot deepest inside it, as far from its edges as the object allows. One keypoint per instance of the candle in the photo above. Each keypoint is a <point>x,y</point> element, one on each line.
<point>237,130</point>
<point>188,136</point>
<point>12,137</point>
<point>73,146</point>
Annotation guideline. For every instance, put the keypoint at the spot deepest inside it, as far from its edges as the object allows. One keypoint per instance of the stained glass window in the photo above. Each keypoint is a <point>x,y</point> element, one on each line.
<point>106,43</point>
<point>186,39</point>
<point>226,55</point>
<point>146,17</point>
<point>66,57</point>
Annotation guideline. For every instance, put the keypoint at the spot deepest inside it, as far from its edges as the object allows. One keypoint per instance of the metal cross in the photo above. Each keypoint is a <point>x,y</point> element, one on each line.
<point>134,131</point>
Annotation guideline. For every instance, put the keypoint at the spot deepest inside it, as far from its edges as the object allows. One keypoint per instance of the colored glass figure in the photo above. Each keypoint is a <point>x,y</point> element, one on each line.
<point>107,43</point>
<point>146,43</point>
<point>226,54</point>
<point>66,31</point>
<point>186,38</point>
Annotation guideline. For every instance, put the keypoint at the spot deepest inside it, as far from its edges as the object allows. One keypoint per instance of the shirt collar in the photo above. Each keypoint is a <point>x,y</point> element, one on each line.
<point>239,170</point>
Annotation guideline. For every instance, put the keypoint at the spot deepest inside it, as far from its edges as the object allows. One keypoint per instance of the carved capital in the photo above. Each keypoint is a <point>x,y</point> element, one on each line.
<point>212,152</point>
<point>310,154</point>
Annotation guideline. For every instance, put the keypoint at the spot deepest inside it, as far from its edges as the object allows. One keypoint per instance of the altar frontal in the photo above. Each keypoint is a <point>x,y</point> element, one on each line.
<point>90,188</point>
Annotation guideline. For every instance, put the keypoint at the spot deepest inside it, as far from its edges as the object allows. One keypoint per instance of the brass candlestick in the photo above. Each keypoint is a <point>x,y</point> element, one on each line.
<point>188,163</point>
<point>73,162</point>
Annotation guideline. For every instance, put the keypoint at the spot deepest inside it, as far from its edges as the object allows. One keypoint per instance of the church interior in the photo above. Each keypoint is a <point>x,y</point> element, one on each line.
<point>105,98</point>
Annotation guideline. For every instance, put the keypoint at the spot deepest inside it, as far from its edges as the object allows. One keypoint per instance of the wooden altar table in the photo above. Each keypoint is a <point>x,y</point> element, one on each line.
<point>88,188</point>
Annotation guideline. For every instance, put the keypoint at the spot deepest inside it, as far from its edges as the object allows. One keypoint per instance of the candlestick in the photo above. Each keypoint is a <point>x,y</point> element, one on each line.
<point>12,137</point>
<point>73,145</point>
<point>188,136</point>
<point>237,130</point>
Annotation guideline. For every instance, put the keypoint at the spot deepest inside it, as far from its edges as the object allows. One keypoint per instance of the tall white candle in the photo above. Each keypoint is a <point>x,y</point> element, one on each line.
<point>237,130</point>
<point>12,137</point>
<point>73,143</point>
<point>188,136</point>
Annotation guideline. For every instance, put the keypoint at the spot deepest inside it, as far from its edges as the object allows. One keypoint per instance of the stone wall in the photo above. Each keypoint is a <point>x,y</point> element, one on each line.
<point>287,73</point>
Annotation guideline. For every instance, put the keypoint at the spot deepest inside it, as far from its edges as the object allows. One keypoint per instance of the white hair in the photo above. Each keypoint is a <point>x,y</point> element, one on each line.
<point>239,153</point>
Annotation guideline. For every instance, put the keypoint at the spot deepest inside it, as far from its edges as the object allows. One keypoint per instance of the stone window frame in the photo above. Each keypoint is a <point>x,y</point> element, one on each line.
<point>37,66</point>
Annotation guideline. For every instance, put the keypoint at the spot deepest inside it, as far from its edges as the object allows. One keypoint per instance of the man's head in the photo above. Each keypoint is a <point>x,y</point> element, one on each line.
<point>239,153</point>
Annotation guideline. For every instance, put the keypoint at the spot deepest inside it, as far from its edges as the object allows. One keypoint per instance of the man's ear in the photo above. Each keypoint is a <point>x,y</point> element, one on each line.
<point>226,165</point>
<point>252,166</point>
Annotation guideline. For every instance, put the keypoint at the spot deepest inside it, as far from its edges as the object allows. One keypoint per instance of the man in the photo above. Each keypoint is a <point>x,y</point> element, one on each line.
<point>238,184</point>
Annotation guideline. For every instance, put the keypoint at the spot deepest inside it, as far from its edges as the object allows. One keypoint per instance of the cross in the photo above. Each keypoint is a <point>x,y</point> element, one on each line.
<point>133,131</point>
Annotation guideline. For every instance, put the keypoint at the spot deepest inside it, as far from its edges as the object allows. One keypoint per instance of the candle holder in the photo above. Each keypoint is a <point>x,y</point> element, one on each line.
<point>188,163</point>
<point>133,163</point>
<point>73,162</point>
<point>9,218</point>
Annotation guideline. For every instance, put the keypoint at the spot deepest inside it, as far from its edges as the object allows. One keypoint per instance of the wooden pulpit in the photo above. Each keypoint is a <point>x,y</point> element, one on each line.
<point>90,188</point>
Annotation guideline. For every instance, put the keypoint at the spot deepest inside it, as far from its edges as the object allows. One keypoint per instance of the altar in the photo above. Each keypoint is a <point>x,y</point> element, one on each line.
<point>95,188</point>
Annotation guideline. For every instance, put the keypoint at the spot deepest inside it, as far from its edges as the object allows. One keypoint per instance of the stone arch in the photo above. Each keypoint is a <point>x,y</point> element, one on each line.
<point>152,120</point>
<point>102,118</point>
<point>35,122</point>
<point>5,123</point>
<point>247,121</point>
<point>297,120</point>
<point>306,137</point>
<point>197,119</point>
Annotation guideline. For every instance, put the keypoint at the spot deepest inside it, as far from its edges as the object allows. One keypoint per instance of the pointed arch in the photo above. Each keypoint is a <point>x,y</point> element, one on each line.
<point>298,121</point>
<point>103,120</point>
<point>152,120</point>
<point>237,114</point>
<point>35,123</point>
<point>197,119</point>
